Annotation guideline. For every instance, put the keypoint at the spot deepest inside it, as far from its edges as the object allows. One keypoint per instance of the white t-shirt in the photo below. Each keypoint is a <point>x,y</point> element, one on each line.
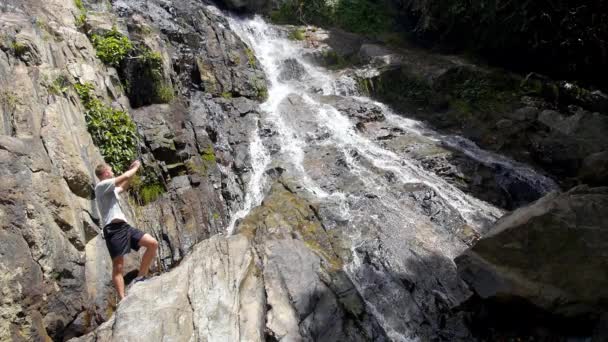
<point>106,194</point>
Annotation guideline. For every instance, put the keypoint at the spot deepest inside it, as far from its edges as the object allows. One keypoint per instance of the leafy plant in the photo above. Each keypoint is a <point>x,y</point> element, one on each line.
<point>60,85</point>
<point>80,20</point>
<point>297,34</point>
<point>112,130</point>
<point>146,187</point>
<point>112,47</point>
<point>79,5</point>
<point>362,16</point>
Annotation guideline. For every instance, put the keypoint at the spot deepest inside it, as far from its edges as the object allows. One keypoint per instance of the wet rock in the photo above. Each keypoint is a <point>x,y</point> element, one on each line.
<point>594,170</point>
<point>531,253</point>
<point>377,55</point>
<point>291,69</point>
<point>361,112</point>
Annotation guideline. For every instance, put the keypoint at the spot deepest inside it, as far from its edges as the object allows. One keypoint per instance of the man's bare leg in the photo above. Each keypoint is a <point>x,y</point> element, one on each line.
<point>117,269</point>
<point>151,246</point>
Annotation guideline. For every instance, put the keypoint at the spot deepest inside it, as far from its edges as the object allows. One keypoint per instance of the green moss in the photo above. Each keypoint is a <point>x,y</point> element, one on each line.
<point>208,155</point>
<point>80,20</point>
<point>164,93</point>
<point>112,48</point>
<point>19,48</point>
<point>216,216</point>
<point>60,85</point>
<point>112,130</point>
<point>79,5</point>
<point>250,57</point>
<point>297,34</point>
<point>227,95</point>
<point>150,193</point>
<point>196,168</point>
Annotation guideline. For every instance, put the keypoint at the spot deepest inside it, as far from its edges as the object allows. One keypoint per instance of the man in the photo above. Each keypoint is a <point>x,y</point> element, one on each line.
<point>119,235</point>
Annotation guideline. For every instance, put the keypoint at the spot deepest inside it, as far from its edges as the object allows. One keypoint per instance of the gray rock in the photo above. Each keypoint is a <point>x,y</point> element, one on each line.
<point>551,253</point>
<point>594,170</point>
<point>291,69</point>
<point>216,294</point>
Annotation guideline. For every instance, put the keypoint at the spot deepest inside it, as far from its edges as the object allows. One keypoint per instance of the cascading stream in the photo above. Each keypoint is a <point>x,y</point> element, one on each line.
<point>271,49</point>
<point>391,212</point>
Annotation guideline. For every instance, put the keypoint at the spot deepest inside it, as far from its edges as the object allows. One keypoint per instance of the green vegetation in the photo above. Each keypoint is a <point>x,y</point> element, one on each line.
<point>9,99</point>
<point>250,56</point>
<point>19,48</point>
<point>208,155</point>
<point>112,47</point>
<point>150,193</point>
<point>80,20</point>
<point>146,187</point>
<point>60,85</point>
<point>164,93</point>
<point>227,95</point>
<point>559,38</point>
<point>262,90</point>
<point>79,5</point>
<point>112,130</point>
<point>145,82</point>
<point>470,92</point>
<point>297,34</point>
<point>361,16</point>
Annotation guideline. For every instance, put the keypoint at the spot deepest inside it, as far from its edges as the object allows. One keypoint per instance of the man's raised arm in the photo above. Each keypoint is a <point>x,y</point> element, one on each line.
<point>123,180</point>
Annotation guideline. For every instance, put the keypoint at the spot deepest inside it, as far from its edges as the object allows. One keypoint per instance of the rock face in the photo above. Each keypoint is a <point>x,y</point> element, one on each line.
<point>55,268</point>
<point>532,120</point>
<point>278,279</point>
<point>551,254</point>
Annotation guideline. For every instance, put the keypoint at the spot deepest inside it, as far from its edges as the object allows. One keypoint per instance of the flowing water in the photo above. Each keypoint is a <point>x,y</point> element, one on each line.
<point>389,208</point>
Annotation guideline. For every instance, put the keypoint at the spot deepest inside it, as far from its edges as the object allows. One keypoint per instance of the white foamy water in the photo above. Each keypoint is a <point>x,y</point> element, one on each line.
<point>374,208</point>
<point>271,50</point>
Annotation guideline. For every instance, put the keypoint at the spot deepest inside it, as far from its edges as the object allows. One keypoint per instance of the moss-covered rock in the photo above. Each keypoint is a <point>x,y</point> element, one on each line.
<point>285,215</point>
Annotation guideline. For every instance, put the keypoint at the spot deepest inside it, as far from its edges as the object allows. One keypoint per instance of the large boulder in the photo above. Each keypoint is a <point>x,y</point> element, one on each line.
<point>551,254</point>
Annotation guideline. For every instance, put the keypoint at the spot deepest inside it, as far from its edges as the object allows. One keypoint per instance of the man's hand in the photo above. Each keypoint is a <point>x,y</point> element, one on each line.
<point>122,181</point>
<point>135,165</point>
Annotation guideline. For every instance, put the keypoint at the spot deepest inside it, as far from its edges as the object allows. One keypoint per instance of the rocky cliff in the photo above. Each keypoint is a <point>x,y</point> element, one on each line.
<point>346,215</point>
<point>55,279</point>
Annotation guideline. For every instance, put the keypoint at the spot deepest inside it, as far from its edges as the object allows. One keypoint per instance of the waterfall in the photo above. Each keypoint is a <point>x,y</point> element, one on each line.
<point>388,208</point>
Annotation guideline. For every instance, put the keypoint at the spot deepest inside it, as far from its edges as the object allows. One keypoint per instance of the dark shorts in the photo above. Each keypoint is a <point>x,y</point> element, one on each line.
<point>121,238</point>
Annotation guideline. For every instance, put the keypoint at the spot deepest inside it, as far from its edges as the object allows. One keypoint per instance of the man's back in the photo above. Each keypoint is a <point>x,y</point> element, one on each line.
<point>107,202</point>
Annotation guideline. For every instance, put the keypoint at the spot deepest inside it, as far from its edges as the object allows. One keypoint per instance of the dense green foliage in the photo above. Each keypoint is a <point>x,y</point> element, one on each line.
<point>146,187</point>
<point>112,130</point>
<point>112,47</point>
<point>361,16</point>
<point>144,78</point>
<point>561,38</point>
